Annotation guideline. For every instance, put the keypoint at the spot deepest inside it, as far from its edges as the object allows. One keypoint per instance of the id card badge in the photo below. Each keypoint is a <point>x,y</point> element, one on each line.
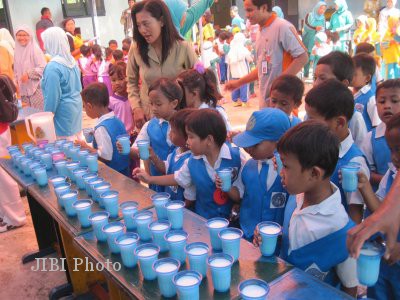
<point>264,67</point>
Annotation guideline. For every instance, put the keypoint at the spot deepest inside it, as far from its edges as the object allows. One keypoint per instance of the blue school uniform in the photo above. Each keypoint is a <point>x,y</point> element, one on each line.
<point>317,258</point>
<point>380,153</point>
<point>176,192</point>
<point>114,128</point>
<point>259,203</point>
<point>158,141</point>
<point>205,204</point>
<point>361,104</point>
<point>294,121</point>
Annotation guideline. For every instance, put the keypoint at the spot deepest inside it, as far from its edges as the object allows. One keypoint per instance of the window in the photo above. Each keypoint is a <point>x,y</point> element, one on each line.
<point>82,8</point>
<point>4,16</point>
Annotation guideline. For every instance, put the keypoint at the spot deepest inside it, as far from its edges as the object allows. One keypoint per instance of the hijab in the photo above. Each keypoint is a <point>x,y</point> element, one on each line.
<point>27,58</point>
<point>56,45</point>
<point>342,6</point>
<point>177,8</point>
<point>237,51</point>
<point>278,12</point>
<point>314,16</point>
<point>7,41</point>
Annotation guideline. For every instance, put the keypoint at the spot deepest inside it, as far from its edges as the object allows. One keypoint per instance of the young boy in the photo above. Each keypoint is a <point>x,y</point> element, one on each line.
<point>286,94</point>
<point>95,101</point>
<point>206,133</point>
<point>332,103</point>
<point>364,96</point>
<point>315,221</point>
<point>339,65</point>
<point>113,44</point>
<point>374,146</point>
<point>258,188</point>
<point>370,50</point>
<point>388,285</point>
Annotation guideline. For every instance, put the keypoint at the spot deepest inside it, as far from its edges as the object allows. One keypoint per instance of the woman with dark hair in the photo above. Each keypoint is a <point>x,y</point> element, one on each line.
<point>75,41</point>
<point>162,53</point>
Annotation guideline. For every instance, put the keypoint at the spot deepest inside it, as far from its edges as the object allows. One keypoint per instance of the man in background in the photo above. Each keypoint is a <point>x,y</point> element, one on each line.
<point>44,23</point>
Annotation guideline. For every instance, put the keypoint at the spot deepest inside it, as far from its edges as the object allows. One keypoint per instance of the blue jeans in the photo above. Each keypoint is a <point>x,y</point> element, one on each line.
<point>241,93</point>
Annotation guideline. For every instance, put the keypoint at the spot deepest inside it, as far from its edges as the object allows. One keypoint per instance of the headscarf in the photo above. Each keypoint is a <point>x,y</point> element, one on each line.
<point>371,35</point>
<point>342,6</point>
<point>177,8</point>
<point>278,12</point>
<point>56,45</point>
<point>237,51</point>
<point>359,33</point>
<point>26,59</point>
<point>390,33</point>
<point>314,16</point>
<point>7,41</point>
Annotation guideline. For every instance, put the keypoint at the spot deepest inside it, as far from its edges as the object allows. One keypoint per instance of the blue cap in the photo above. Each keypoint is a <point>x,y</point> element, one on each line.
<point>268,124</point>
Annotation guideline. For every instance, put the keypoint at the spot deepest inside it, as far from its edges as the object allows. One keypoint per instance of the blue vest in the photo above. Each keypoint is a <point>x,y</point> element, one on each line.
<point>258,203</point>
<point>176,192</point>
<point>158,141</point>
<point>380,153</point>
<point>317,258</point>
<point>205,205</point>
<point>354,151</point>
<point>114,128</point>
<point>361,104</point>
<point>294,121</point>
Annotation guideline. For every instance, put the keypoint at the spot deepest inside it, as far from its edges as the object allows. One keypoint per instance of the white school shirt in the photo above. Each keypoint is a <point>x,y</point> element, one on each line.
<point>184,179</point>
<point>344,147</point>
<point>103,139</point>
<point>382,192</point>
<point>222,112</point>
<point>358,128</point>
<point>144,136</point>
<point>177,157</point>
<point>371,105</point>
<point>272,173</point>
<point>317,221</point>
<point>366,145</point>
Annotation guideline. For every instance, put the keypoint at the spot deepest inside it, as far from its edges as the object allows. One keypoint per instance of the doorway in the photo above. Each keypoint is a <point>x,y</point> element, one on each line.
<point>5,15</point>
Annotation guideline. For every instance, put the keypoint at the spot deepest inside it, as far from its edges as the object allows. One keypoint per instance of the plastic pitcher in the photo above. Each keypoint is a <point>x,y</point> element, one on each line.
<point>40,126</point>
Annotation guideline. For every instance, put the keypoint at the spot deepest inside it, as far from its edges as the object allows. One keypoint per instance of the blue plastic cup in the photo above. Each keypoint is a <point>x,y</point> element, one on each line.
<point>59,143</point>
<point>19,159</point>
<point>187,285</point>
<point>88,134</point>
<point>368,263</point>
<point>142,220</point>
<point>84,210</point>
<point>99,189</point>
<point>278,162</point>
<point>128,209</point>
<point>253,289</point>
<point>127,244</point>
<point>31,150</point>
<point>125,142</point>
<point>82,154</point>
<point>15,156</point>
<point>197,253</point>
<point>175,213</point>
<point>71,166</point>
<point>47,160</point>
<point>61,167</point>
<point>66,148</point>
<point>113,231</point>
<point>12,148</point>
<point>147,254</point>
<point>68,198</point>
<point>25,163</point>
<point>159,201</point>
<point>166,269</point>
<point>60,189</point>
<point>38,154</point>
<point>86,178</point>
<point>41,175</point>
<point>269,232</point>
<point>99,220</point>
<point>349,177</point>
<point>143,147</point>
<point>74,152</point>
<point>230,240</point>
<point>226,178</point>
<point>32,166</point>
<point>57,180</point>
<point>25,146</point>
<point>220,265</point>
<point>78,173</point>
<point>92,162</point>
<point>176,243</point>
<point>110,201</point>
<point>158,230</point>
<point>215,225</point>
<point>35,165</point>
<point>92,183</point>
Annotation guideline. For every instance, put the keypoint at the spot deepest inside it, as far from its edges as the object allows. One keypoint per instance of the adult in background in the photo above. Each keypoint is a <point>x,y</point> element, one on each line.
<point>126,19</point>
<point>75,42</point>
<point>7,46</point>
<point>237,20</point>
<point>314,23</point>
<point>158,51</point>
<point>278,47</point>
<point>28,67</point>
<point>339,26</point>
<point>61,85</point>
<point>278,11</point>
<point>386,12</point>
<point>44,23</point>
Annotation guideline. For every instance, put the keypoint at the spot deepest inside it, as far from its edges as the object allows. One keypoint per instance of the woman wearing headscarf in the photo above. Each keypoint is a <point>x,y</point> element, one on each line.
<point>361,27</point>
<point>61,85</point>
<point>314,23</point>
<point>371,35</point>
<point>340,24</point>
<point>385,13</point>
<point>28,67</point>
<point>278,11</point>
<point>391,49</point>
<point>7,46</point>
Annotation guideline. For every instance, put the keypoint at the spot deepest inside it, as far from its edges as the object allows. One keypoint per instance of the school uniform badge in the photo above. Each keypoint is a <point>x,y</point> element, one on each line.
<point>278,200</point>
<point>220,197</point>
<point>359,107</point>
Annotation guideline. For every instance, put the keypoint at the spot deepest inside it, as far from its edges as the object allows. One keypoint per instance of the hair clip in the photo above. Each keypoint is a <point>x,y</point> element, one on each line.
<point>199,67</point>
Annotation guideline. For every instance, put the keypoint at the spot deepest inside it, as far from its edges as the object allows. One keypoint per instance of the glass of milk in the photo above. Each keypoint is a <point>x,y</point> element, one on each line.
<point>92,162</point>
<point>349,177</point>
<point>142,220</point>
<point>62,188</point>
<point>113,231</point>
<point>175,213</point>
<point>57,180</point>
<point>110,201</point>
<point>78,173</point>
<point>99,189</point>
<point>84,210</point>
<point>220,265</point>
<point>176,242</point>
<point>158,230</point>
<point>159,200</point>
<point>166,268</point>
<point>269,232</point>
<point>41,175</point>
<point>92,183</point>
<point>230,240</point>
<point>128,209</point>
<point>215,225</point>
<point>127,244</point>
<point>99,220</point>
<point>68,198</point>
<point>147,254</point>
<point>61,167</point>
<point>253,289</point>
<point>226,178</point>
<point>368,263</point>
<point>197,253</point>
<point>187,284</point>
<point>86,178</point>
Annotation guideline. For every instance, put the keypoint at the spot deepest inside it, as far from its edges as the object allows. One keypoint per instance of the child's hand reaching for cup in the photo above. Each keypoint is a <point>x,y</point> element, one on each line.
<point>218,182</point>
<point>257,238</point>
<point>119,146</point>
<point>142,175</point>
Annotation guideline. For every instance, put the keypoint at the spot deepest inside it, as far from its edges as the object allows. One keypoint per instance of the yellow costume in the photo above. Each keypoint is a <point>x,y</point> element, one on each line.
<point>78,42</point>
<point>361,22</point>
<point>371,35</point>
<point>391,49</point>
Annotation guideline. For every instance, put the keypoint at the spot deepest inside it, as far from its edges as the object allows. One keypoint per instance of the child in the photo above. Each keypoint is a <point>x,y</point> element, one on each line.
<point>391,49</point>
<point>340,66</point>
<point>370,50</point>
<point>315,222</point>
<point>86,51</point>
<point>286,94</point>
<point>206,133</point>
<point>374,146</point>
<point>219,43</point>
<point>102,66</point>
<point>332,103</point>
<point>108,128</point>
<point>118,56</point>
<point>252,66</point>
<point>388,285</point>
<point>126,45</point>
<point>165,97</point>
<point>113,45</point>
<point>89,73</point>
<point>320,49</point>
<point>200,91</point>
<point>259,184</point>
<point>364,97</point>
<point>361,24</point>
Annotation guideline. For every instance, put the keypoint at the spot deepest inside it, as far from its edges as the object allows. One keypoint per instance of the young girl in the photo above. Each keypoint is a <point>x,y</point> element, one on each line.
<point>200,91</point>
<point>206,133</point>
<point>88,75</point>
<point>390,49</point>
<point>104,68</point>
<point>361,24</point>
<point>165,97</point>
